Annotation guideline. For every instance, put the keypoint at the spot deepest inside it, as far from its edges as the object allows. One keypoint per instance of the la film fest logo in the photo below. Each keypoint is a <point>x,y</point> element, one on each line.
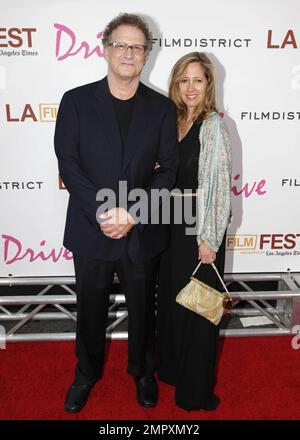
<point>282,41</point>
<point>16,41</point>
<point>270,245</point>
<point>27,112</point>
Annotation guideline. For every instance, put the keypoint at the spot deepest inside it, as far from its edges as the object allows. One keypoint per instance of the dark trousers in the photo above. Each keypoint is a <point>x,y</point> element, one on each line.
<point>94,279</point>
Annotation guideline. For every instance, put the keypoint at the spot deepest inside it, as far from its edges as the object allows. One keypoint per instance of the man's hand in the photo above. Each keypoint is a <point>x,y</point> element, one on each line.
<point>206,254</point>
<point>116,223</point>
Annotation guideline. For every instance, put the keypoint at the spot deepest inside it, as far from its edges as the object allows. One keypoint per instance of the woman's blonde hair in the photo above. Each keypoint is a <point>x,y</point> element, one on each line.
<point>209,103</point>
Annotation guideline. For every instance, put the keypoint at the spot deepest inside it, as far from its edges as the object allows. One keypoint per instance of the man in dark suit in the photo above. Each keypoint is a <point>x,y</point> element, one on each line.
<point>109,131</point>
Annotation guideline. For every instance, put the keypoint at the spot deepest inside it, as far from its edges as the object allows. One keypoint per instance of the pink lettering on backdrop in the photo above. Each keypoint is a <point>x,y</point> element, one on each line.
<point>249,189</point>
<point>70,37</point>
<point>13,251</point>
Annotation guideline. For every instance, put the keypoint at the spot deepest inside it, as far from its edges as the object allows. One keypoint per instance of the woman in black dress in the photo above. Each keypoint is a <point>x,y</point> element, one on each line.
<point>187,342</point>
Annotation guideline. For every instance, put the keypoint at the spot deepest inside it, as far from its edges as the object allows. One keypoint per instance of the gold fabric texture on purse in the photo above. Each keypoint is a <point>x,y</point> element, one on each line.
<point>204,300</point>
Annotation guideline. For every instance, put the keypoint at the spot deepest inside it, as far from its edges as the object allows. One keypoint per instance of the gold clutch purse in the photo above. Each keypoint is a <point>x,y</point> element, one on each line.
<point>204,300</point>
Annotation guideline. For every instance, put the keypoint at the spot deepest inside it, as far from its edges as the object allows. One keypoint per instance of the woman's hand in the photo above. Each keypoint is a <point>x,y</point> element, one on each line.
<point>205,253</point>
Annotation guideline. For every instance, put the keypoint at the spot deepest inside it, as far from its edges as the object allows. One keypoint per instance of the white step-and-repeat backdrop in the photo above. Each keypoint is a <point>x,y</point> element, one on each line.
<point>48,47</point>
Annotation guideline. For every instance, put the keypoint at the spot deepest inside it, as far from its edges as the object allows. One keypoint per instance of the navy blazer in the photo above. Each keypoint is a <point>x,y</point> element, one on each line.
<point>90,157</point>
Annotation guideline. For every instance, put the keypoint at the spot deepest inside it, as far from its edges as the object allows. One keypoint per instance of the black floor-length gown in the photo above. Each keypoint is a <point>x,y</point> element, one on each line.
<point>187,342</point>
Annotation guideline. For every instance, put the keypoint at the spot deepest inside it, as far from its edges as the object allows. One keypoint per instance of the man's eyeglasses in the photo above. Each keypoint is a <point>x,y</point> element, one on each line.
<point>137,49</point>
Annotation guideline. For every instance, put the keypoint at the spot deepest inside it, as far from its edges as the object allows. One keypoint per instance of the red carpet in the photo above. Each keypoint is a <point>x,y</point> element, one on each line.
<point>258,378</point>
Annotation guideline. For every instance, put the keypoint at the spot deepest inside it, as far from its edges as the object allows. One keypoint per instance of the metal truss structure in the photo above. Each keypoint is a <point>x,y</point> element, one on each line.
<point>281,307</point>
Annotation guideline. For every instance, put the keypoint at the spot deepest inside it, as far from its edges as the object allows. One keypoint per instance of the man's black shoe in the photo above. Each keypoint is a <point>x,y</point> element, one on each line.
<point>146,391</point>
<point>77,397</point>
